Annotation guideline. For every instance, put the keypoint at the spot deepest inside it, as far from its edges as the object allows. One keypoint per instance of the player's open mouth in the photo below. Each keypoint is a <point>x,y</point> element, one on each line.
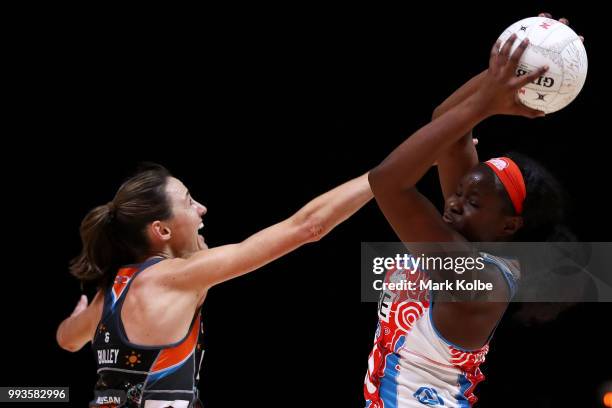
<point>200,236</point>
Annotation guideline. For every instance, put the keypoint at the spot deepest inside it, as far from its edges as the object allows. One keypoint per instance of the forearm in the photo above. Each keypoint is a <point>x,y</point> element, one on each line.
<point>212,266</point>
<point>71,333</point>
<point>459,95</point>
<point>455,162</point>
<point>330,209</point>
<point>409,162</point>
<point>78,329</point>
<point>461,156</point>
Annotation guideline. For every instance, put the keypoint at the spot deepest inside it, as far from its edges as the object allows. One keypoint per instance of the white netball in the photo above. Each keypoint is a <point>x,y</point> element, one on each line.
<point>554,44</point>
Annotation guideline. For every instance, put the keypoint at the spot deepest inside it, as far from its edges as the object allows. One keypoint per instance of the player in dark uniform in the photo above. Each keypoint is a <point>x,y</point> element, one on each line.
<point>131,373</point>
<point>153,269</point>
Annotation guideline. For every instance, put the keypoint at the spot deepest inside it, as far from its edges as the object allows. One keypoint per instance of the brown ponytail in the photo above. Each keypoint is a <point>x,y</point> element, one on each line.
<point>114,234</point>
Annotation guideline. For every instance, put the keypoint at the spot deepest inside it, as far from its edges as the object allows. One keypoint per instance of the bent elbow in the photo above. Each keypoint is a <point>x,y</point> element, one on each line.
<point>376,178</point>
<point>314,229</point>
<point>386,185</point>
<point>311,229</point>
<point>64,343</point>
<point>71,348</point>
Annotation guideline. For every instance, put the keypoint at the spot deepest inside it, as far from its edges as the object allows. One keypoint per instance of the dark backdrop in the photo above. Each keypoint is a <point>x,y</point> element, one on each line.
<point>258,111</point>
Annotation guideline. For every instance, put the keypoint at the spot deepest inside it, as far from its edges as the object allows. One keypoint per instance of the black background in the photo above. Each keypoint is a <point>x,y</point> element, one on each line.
<point>258,111</point>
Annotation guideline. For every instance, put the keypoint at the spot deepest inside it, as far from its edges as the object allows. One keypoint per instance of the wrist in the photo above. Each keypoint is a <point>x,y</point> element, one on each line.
<point>478,107</point>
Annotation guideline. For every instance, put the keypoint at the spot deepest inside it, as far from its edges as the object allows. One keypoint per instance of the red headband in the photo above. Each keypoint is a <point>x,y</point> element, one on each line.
<point>511,177</point>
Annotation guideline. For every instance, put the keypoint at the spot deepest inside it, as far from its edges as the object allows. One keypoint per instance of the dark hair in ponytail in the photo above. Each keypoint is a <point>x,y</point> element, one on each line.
<point>114,234</point>
<point>544,215</point>
<point>546,205</point>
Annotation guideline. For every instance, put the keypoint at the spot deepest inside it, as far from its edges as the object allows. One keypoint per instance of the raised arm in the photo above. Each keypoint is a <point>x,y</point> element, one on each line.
<point>315,220</point>
<point>461,156</point>
<point>393,182</point>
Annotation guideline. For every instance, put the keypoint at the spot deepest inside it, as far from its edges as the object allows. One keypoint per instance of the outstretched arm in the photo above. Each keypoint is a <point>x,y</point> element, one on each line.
<point>315,220</point>
<point>209,267</point>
